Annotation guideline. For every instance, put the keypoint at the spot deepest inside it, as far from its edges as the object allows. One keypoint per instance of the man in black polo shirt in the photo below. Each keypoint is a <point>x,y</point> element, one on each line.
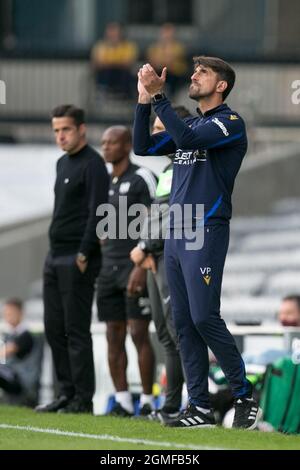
<point>73,262</point>
<point>121,297</point>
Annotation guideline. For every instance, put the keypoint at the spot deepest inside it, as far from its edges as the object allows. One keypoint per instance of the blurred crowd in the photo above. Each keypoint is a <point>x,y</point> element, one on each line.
<point>114,60</point>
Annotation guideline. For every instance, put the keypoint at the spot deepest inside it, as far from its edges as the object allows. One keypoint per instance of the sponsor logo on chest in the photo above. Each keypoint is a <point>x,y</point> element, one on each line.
<point>189,157</point>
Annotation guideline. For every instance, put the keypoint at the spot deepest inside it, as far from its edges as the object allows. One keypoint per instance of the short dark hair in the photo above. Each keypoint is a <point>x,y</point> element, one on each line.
<point>69,110</point>
<point>294,298</point>
<point>182,111</point>
<point>15,302</point>
<point>222,68</point>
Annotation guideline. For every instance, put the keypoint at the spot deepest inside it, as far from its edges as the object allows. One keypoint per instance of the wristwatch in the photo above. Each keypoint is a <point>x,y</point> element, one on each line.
<point>82,257</point>
<point>158,97</point>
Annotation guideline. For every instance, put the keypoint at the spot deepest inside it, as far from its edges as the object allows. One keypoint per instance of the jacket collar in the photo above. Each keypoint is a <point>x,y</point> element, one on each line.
<point>212,111</point>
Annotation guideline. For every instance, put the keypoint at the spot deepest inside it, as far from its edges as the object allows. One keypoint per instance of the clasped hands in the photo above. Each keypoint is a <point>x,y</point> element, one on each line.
<point>149,82</point>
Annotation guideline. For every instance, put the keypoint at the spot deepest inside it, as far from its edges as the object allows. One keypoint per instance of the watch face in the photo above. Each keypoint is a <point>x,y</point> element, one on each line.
<point>158,97</point>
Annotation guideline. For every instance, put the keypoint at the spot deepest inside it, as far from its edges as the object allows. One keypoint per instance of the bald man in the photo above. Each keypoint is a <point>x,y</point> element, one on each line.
<point>121,301</point>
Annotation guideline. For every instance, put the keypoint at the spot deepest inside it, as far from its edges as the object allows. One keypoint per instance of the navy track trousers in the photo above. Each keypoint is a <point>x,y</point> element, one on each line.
<point>195,279</point>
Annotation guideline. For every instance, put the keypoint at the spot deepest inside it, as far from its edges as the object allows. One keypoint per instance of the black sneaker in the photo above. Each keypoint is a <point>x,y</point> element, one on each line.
<point>118,410</point>
<point>192,418</point>
<point>162,416</point>
<point>54,406</point>
<point>145,410</point>
<point>77,405</point>
<point>247,413</point>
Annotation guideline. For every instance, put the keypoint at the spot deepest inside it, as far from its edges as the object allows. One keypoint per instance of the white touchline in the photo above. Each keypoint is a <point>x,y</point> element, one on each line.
<point>107,437</point>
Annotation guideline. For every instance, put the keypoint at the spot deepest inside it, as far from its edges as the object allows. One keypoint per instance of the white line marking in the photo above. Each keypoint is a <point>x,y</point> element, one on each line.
<point>107,437</point>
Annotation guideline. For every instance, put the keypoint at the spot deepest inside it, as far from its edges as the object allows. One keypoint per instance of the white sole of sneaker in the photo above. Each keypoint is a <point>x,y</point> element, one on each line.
<point>193,426</point>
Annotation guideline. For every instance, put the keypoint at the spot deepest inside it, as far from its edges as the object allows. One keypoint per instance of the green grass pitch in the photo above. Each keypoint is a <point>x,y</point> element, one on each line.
<point>23,429</point>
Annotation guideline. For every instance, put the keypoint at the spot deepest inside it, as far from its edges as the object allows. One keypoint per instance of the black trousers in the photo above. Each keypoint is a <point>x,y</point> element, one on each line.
<point>68,296</point>
<point>159,295</point>
<point>195,279</point>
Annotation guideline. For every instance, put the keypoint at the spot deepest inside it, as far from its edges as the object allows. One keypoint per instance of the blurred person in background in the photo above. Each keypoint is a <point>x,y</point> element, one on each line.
<point>288,316</point>
<point>122,300</point>
<point>15,373</point>
<point>112,60</point>
<point>73,262</point>
<point>149,255</point>
<point>289,310</point>
<point>169,52</point>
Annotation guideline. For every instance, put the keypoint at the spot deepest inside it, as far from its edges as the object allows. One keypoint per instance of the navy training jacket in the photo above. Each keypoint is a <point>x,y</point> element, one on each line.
<point>208,149</point>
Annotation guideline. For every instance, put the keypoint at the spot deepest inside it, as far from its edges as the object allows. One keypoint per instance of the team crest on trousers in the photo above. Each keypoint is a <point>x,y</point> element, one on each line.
<point>206,274</point>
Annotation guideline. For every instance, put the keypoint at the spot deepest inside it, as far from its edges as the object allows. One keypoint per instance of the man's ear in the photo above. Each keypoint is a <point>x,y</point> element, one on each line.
<point>221,86</point>
<point>128,146</point>
<point>82,129</point>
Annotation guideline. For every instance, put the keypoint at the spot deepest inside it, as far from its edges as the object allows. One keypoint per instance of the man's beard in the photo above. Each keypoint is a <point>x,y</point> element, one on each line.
<point>196,95</point>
